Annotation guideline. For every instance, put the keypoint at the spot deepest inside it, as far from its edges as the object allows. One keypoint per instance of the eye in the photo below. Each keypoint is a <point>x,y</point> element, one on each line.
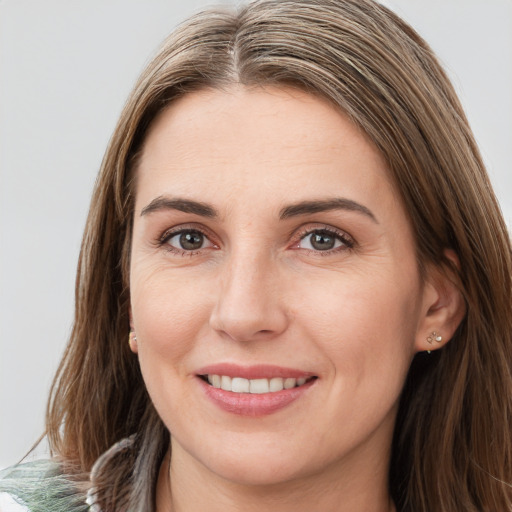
<point>324,240</point>
<point>187,240</point>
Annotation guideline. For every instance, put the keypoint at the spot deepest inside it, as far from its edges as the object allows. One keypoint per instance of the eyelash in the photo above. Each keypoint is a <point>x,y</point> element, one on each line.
<point>346,240</point>
<point>163,241</point>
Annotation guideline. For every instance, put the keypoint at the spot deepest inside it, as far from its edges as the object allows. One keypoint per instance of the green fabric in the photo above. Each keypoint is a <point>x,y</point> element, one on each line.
<point>42,487</point>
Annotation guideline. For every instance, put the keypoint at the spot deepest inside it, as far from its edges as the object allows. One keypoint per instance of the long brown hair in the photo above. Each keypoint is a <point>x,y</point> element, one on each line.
<point>452,447</point>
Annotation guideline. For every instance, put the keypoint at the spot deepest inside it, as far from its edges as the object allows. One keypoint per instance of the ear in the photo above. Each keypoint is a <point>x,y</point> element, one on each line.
<point>132,340</point>
<point>443,306</point>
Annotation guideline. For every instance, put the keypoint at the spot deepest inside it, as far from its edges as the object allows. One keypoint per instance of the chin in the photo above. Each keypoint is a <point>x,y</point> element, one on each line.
<point>258,474</point>
<point>260,462</point>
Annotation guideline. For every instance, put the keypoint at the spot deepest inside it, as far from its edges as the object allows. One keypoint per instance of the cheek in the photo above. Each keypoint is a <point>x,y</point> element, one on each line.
<point>169,311</point>
<point>370,305</point>
<point>169,317</point>
<point>366,332</point>
<point>366,327</point>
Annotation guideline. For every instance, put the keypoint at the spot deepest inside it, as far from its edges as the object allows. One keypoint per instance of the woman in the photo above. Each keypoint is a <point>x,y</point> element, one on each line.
<point>294,284</point>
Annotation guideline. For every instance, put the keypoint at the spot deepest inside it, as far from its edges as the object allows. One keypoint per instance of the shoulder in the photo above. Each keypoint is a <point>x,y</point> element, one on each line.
<point>39,486</point>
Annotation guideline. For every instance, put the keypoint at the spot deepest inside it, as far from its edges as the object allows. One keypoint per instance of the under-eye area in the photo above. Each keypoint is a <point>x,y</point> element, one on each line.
<point>255,386</point>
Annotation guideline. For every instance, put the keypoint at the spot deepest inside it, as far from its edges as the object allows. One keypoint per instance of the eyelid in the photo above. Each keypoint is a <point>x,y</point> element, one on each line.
<point>180,228</point>
<point>308,229</point>
<point>297,236</point>
<point>185,227</point>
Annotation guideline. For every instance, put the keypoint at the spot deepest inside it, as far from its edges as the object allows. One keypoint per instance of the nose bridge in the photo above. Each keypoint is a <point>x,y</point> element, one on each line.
<point>249,302</point>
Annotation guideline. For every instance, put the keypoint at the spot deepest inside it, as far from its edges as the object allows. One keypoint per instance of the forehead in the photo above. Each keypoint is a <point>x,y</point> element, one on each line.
<point>281,142</point>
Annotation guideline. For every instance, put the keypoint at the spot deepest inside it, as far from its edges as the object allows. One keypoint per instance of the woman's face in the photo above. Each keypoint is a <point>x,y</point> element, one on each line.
<point>272,256</point>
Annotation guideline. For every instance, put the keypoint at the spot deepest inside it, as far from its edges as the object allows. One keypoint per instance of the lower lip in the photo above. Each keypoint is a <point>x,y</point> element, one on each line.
<point>248,404</point>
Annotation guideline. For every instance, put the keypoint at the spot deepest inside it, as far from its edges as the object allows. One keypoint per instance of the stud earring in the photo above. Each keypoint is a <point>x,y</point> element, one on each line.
<point>132,341</point>
<point>433,336</point>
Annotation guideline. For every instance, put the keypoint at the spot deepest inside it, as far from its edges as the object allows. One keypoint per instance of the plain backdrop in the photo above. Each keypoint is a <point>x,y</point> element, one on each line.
<point>66,68</point>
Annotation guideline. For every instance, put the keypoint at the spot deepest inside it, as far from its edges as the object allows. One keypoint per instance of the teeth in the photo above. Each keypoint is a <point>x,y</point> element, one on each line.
<point>254,386</point>
<point>225,383</point>
<point>276,384</point>
<point>239,385</point>
<point>215,381</point>
<point>259,386</point>
<point>289,383</point>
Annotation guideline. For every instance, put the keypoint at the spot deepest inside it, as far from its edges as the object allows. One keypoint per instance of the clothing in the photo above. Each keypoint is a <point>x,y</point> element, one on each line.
<point>39,486</point>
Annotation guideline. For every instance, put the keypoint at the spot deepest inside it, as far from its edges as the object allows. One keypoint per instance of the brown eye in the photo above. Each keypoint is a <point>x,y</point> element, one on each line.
<point>323,240</point>
<point>189,240</point>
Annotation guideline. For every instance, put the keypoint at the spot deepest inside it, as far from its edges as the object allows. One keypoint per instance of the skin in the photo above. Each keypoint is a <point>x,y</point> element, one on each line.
<point>258,292</point>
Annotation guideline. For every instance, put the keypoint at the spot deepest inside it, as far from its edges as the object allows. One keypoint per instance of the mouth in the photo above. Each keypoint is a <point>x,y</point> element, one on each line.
<point>256,390</point>
<point>258,386</point>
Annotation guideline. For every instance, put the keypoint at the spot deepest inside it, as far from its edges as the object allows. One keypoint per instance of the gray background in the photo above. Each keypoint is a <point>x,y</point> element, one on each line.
<point>66,68</point>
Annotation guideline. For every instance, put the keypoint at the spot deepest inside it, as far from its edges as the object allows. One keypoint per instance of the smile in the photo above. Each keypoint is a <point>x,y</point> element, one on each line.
<point>256,390</point>
<point>254,386</point>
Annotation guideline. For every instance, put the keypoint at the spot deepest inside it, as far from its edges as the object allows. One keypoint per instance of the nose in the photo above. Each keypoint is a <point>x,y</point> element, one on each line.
<point>250,302</point>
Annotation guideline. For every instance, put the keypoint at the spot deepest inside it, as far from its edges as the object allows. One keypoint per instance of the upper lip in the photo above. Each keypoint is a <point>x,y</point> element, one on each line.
<point>258,371</point>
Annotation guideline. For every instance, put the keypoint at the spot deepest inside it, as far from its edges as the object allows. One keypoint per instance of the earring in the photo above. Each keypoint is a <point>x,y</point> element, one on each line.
<point>132,341</point>
<point>433,336</point>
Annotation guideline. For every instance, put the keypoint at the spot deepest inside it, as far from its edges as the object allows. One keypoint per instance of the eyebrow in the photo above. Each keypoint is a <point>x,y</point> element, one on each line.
<point>336,203</point>
<point>182,205</point>
<point>293,210</point>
